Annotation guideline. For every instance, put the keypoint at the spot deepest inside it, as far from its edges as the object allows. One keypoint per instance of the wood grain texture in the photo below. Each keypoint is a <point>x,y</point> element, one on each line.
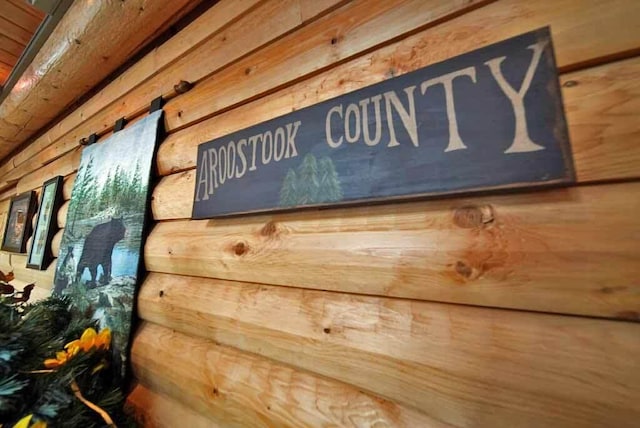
<point>311,49</point>
<point>202,28</point>
<point>209,23</point>
<point>67,164</point>
<point>261,25</point>
<point>5,70</point>
<point>538,370</point>
<point>61,216</point>
<point>14,31</point>
<point>55,243</point>
<point>68,186</point>
<point>602,105</point>
<point>154,410</point>
<point>91,40</point>
<point>8,193</point>
<point>351,30</point>
<point>7,58</point>
<point>240,389</point>
<point>26,17</point>
<point>524,251</point>
<point>10,45</point>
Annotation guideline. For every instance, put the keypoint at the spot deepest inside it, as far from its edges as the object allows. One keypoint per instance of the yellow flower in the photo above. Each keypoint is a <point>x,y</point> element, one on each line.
<point>24,422</point>
<point>72,348</point>
<point>88,339</point>
<point>104,339</point>
<point>60,359</point>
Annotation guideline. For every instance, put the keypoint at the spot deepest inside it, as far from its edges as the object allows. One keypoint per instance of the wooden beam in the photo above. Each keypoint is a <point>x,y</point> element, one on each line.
<point>575,43</point>
<point>155,410</point>
<point>259,26</point>
<point>211,22</point>
<point>67,188</point>
<point>523,251</point>
<point>305,53</point>
<point>55,243</point>
<point>441,359</point>
<point>240,389</point>
<point>601,106</point>
<point>90,42</point>
<point>67,164</point>
<point>62,214</point>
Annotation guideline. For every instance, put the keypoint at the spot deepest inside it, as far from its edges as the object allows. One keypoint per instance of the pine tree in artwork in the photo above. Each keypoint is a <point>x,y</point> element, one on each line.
<point>84,193</point>
<point>329,182</point>
<point>289,190</point>
<point>119,188</point>
<point>136,191</point>
<point>308,185</point>
<point>105,193</point>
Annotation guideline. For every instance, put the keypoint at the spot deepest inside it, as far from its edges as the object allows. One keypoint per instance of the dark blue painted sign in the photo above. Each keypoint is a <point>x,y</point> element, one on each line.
<point>488,119</point>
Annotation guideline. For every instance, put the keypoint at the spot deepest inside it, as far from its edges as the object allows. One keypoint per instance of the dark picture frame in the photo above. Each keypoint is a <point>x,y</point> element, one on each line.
<point>40,254</point>
<point>18,227</point>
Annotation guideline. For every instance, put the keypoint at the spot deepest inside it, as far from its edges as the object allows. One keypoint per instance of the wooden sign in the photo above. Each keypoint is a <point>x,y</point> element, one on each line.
<point>489,119</point>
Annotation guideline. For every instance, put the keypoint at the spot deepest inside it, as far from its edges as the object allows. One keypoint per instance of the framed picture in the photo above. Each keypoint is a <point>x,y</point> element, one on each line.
<point>18,227</point>
<point>46,225</point>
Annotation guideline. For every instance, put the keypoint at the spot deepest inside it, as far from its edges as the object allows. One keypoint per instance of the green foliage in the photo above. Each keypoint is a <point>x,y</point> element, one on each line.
<point>313,182</point>
<point>121,191</point>
<point>30,335</point>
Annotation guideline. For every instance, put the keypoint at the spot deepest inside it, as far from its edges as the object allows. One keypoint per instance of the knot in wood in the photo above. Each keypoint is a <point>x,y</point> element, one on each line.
<point>269,229</point>
<point>183,86</point>
<point>463,269</point>
<point>240,248</point>
<point>470,217</point>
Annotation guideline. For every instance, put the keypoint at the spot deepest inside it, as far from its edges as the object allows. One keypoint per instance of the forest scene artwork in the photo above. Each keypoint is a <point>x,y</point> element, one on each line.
<point>100,249</point>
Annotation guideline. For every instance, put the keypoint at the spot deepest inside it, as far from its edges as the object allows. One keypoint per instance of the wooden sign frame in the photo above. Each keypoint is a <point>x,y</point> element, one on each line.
<point>485,120</point>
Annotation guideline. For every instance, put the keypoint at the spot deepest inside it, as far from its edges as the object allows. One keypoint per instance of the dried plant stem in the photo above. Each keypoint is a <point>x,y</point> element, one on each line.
<point>76,391</point>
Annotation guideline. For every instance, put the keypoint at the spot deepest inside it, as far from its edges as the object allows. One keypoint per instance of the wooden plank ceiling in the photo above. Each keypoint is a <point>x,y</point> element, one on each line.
<point>18,22</point>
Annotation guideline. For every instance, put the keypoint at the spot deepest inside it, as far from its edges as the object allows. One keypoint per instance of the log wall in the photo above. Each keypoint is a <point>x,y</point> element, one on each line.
<point>516,309</point>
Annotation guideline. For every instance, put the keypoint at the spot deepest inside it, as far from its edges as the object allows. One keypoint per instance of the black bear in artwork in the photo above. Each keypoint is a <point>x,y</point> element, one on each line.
<point>98,246</point>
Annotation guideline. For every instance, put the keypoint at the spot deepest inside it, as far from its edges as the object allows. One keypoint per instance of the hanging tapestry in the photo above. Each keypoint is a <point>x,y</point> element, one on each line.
<point>99,259</point>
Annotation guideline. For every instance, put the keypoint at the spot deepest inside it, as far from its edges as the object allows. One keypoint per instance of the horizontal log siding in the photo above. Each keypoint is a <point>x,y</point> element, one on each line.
<point>401,314</point>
